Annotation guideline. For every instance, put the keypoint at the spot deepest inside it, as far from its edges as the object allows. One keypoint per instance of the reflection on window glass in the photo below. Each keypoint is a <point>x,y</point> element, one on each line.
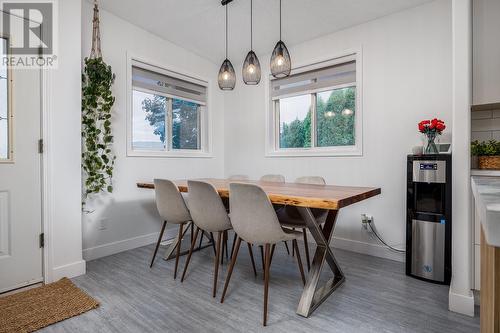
<point>185,125</point>
<point>148,132</point>
<point>295,122</point>
<point>4,106</point>
<point>335,117</point>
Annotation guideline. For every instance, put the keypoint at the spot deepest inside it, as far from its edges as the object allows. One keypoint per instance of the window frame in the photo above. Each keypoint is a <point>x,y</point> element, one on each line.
<point>10,111</point>
<point>205,123</point>
<point>273,149</point>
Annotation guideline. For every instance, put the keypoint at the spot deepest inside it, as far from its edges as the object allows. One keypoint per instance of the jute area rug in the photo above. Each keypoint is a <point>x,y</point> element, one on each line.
<point>36,308</point>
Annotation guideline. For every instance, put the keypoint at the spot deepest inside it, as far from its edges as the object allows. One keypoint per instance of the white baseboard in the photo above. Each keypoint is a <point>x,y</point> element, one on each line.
<point>366,248</point>
<point>72,270</point>
<point>125,245</point>
<point>463,304</point>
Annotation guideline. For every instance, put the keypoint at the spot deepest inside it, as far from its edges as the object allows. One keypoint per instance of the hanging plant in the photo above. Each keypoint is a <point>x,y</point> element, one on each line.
<point>97,157</point>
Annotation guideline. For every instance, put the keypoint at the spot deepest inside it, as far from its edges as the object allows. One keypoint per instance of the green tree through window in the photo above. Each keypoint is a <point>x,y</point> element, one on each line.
<point>335,110</point>
<point>185,121</point>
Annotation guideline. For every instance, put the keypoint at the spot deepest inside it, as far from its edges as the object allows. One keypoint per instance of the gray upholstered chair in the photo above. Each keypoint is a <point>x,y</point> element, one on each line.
<point>238,177</point>
<point>273,178</point>
<point>209,214</point>
<point>254,220</point>
<point>290,217</point>
<point>173,209</point>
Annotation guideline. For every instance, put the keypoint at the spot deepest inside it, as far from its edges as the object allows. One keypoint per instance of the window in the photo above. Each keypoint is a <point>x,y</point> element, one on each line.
<point>5,112</point>
<point>168,113</point>
<point>316,111</point>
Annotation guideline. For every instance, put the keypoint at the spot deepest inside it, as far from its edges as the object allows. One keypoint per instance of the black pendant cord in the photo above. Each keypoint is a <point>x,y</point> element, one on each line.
<point>226,31</point>
<point>251,25</point>
<point>280,19</point>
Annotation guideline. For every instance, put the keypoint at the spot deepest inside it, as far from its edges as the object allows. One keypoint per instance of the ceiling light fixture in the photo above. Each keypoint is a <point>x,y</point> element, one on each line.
<point>281,64</point>
<point>227,76</point>
<point>251,66</point>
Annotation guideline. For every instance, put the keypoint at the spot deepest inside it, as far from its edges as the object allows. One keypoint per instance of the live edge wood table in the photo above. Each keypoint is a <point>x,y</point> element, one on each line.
<point>305,197</point>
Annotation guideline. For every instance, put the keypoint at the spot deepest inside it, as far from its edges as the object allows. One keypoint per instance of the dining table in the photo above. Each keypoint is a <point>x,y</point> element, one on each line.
<point>305,197</point>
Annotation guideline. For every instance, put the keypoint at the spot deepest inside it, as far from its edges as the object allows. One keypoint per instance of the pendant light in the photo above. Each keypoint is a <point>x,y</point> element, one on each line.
<point>281,64</point>
<point>251,66</point>
<point>227,76</point>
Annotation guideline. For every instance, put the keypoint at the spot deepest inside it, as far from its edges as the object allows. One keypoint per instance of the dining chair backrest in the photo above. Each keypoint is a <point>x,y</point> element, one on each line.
<point>252,214</point>
<point>170,203</point>
<point>238,177</point>
<point>206,207</point>
<point>273,178</point>
<point>313,180</point>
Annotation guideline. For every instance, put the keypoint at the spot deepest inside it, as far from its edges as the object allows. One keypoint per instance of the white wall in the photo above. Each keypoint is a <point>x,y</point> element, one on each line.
<point>62,213</point>
<point>406,78</point>
<point>130,214</point>
<point>486,54</point>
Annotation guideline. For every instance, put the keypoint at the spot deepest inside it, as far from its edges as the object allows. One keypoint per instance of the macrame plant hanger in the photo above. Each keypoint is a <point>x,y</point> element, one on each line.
<point>96,34</point>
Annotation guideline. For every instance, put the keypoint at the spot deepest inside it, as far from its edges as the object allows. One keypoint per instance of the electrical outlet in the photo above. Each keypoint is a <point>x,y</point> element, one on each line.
<point>103,223</point>
<point>365,220</point>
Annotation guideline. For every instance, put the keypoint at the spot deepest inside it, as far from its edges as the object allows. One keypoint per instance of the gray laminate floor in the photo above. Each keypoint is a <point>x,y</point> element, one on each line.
<point>377,297</point>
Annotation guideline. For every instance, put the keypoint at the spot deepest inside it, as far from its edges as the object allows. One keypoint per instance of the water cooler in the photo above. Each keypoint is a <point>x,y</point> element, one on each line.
<point>428,218</point>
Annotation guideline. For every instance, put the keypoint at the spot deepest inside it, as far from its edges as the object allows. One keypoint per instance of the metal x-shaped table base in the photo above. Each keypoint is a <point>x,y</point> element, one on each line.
<point>312,296</point>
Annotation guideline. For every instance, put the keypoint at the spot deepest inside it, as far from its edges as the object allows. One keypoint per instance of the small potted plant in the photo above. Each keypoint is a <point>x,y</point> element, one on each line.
<point>488,154</point>
<point>431,129</point>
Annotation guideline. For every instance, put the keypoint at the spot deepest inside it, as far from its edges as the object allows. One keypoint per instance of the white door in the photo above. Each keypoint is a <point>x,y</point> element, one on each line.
<point>20,174</point>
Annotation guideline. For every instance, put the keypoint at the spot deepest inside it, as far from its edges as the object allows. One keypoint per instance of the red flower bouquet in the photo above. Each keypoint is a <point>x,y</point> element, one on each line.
<point>431,128</point>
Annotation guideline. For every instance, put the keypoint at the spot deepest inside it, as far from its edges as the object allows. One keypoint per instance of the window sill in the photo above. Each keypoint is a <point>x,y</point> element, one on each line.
<point>170,154</point>
<point>350,151</point>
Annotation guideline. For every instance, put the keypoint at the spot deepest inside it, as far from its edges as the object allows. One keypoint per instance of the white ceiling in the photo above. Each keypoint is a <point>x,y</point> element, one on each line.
<point>198,25</point>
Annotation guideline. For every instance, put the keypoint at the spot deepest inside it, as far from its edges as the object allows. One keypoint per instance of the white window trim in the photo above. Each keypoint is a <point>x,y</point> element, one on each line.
<point>206,119</point>
<point>272,123</point>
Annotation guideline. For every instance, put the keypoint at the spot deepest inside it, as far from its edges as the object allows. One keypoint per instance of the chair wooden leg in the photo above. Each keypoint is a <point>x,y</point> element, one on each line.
<point>225,244</point>
<point>262,256</point>
<point>192,230</point>
<point>213,243</point>
<point>263,261</point>
<point>193,242</point>
<point>299,261</point>
<point>216,262</point>
<point>266,281</point>
<point>250,251</point>
<point>177,254</point>
<point>306,246</point>
<point>234,242</point>
<point>158,243</point>
<point>272,252</point>
<point>231,266</point>
<point>201,239</point>
<point>286,246</point>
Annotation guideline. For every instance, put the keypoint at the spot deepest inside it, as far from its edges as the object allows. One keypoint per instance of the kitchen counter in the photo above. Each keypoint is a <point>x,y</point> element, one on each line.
<point>486,190</point>
<point>478,172</point>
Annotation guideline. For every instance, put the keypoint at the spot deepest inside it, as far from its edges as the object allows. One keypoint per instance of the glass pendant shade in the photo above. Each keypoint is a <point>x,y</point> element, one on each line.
<point>251,69</point>
<point>281,64</point>
<point>227,76</point>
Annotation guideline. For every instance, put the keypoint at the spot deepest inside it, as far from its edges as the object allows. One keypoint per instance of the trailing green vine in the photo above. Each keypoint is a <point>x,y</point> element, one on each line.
<point>97,100</point>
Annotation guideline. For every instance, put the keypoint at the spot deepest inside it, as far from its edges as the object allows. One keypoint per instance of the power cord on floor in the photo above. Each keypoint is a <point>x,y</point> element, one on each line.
<point>382,241</point>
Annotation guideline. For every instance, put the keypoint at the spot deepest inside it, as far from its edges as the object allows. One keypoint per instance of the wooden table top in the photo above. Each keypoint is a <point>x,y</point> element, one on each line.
<point>293,194</point>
